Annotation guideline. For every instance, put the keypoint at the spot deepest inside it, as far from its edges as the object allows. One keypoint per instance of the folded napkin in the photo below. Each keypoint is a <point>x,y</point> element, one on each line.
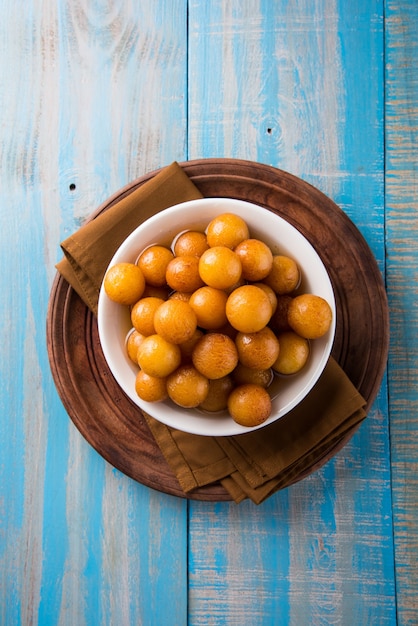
<point>257,464</point>
<point>251,465</point>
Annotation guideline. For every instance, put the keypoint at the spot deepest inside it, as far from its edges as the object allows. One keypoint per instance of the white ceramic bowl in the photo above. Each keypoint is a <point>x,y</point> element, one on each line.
<point>114,321</point>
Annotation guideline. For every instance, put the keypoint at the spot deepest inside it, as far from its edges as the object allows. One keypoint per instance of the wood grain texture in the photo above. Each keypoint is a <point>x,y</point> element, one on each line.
<point>95,94</point>
<point>402,277</point>
<point>92,95</point>
<point>298,86</point>
<point>114,425</point>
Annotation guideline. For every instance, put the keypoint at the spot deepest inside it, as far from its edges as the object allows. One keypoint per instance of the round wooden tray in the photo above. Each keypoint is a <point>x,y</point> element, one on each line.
<point>115,427</point>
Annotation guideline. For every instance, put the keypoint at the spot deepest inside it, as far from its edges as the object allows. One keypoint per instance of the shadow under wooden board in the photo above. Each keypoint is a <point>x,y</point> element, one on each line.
<point>108,419</point>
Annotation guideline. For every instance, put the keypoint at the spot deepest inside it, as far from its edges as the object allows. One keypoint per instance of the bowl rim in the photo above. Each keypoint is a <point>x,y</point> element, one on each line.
<point>166,412</point>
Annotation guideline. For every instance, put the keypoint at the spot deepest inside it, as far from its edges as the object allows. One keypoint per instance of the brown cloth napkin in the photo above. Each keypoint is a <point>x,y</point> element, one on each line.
<point>253,465</point>
<point>257,464</point>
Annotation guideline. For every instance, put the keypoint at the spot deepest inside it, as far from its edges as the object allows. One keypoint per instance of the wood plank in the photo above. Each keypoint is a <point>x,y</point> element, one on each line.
<point>402,276</point>
<point>93,95</point>
<point>298,86</point>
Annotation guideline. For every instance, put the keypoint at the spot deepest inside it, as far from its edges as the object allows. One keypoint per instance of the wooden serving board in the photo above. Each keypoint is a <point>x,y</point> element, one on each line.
<point>114,426</point>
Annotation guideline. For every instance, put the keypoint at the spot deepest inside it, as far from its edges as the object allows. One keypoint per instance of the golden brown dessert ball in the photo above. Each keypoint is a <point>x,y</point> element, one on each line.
<point>220,267</point>
<point>158,357</point>
<point>248,309</point>
<point>209,304</point>
<point>175,321</point>
<point>190,243</point>
<point>142,314</point>
<point>249,405</point>
<point>284,276</point>
<point>124,283</point>
<point>258,350</point>
<point>218,394</point>
<point>294,353</point>
<point>215,355</point>
<point>227,229</point>
<point>310,316</point>
<point>153,262</point>
<point>187,387</point>
<point>150,388</point>
<point>182,274</point>
<point>256,259</point>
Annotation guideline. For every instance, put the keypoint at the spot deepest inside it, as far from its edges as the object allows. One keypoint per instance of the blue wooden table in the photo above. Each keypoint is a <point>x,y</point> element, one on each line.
<point>96,94</point>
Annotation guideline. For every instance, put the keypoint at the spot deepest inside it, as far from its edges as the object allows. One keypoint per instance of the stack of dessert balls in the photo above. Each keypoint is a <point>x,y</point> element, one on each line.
<point>216,315</point>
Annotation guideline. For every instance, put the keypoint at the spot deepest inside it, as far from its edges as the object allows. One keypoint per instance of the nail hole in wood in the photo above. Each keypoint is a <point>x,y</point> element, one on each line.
<point>72,187</point>
<point>269,131</point>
